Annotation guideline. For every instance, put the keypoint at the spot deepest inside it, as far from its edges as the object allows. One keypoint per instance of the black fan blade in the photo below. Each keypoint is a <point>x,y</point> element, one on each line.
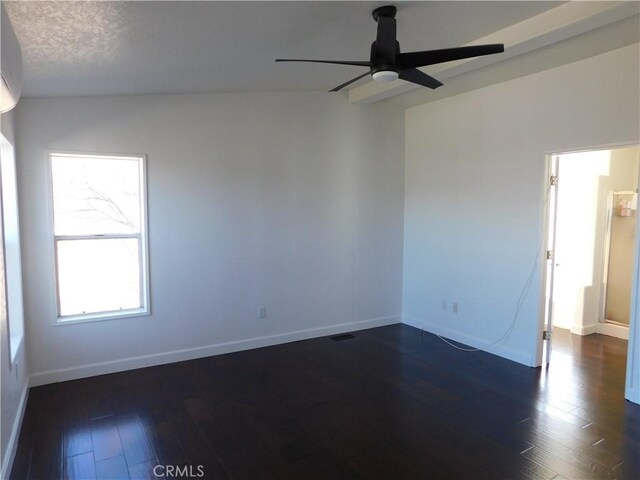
<point>416,76</point>
<point>431,57</point>
<point>385,47</point>
<point>335,62</point>
<point>340,87</point>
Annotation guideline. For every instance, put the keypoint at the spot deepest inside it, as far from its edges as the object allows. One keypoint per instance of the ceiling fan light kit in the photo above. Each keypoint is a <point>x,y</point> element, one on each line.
<point>385,75</point>
<point>387,63</point>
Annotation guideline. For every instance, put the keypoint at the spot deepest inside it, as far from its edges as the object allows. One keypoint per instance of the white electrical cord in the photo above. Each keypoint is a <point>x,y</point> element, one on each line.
<point>506,334</point>
<point>523,296</point>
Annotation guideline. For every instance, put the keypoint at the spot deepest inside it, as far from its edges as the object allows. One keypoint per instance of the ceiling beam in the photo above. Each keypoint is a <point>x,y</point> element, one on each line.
<point>553,26</point>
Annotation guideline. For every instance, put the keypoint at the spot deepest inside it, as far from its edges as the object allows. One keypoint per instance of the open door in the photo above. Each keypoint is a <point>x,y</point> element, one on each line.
<point>552,198</point>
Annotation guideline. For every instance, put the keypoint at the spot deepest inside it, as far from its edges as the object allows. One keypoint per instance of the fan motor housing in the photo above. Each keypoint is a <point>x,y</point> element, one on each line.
<point>379,62</point>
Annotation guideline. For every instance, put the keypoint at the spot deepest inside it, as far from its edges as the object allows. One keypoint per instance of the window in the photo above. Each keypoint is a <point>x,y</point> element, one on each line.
<point>11,307</point>
<point>99,218</point>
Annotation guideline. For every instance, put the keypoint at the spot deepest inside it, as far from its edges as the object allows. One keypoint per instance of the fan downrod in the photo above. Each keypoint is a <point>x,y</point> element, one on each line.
<point>388,11</point>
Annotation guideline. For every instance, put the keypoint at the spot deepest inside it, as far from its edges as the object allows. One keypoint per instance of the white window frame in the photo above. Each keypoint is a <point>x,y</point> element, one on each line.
<point>142,237</point>
<point>9,216</point>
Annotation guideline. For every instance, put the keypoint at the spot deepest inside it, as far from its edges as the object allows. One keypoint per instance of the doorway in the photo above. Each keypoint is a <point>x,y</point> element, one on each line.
<point>592,236</point>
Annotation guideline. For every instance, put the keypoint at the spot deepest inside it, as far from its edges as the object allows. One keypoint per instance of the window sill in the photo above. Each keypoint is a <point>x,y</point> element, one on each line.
<point>100,317</point>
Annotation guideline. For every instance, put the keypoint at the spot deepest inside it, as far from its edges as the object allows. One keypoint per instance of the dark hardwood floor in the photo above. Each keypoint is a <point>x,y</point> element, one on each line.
<point>388,404</point>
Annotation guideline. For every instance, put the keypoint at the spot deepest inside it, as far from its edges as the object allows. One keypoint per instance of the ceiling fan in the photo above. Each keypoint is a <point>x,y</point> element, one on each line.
<point>387,63</point>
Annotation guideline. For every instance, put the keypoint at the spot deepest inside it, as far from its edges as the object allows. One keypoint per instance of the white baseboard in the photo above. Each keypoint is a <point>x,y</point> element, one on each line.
<point>122,364</point>
<point>499,350</point>
<point>12,446</point>
<point>612,330</point>
<point>583,329</point>
<point>633,395</point>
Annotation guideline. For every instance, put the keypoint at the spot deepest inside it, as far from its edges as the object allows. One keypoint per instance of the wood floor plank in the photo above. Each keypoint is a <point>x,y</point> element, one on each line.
<point>77,440</point>
<point>568,467</point>
<point>105,438</point>
<point>198,452</point>
<point>135,443</point>
<point>145,471</point>
<point>392,402</point>
<point>166,445</point>
<point>22,461</point>
<point>112,468</point>
<point>80,467</point>
<point>46,455</point>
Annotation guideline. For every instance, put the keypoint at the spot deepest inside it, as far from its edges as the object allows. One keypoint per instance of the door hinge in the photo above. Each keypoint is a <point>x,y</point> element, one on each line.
<point>549,254</point>
<point>553,180</point>
<point>546,335</point>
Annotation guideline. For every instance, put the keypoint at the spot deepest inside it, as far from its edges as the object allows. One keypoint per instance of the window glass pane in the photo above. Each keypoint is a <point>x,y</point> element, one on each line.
<point>98,275</point>
<point>93,195</point>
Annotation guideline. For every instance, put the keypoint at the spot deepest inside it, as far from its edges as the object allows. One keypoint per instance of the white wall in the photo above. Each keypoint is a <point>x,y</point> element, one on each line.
<point>14,379</point>
<point>293,201</point>
<point>474,189</point>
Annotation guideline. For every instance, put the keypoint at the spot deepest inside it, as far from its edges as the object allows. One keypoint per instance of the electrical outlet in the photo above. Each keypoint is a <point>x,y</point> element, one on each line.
<point>454,307</point>
<point>262,313</point>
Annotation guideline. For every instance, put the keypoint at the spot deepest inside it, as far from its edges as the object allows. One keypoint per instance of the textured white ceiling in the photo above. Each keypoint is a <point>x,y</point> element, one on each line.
<point>103,48</point>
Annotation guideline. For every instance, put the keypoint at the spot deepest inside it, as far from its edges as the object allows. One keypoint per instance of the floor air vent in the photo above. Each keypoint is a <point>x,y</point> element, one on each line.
<point>344,336</point>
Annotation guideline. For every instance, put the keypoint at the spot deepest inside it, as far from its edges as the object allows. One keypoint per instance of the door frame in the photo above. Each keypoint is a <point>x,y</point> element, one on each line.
<point>632,382</point>
<point>550,206</point>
